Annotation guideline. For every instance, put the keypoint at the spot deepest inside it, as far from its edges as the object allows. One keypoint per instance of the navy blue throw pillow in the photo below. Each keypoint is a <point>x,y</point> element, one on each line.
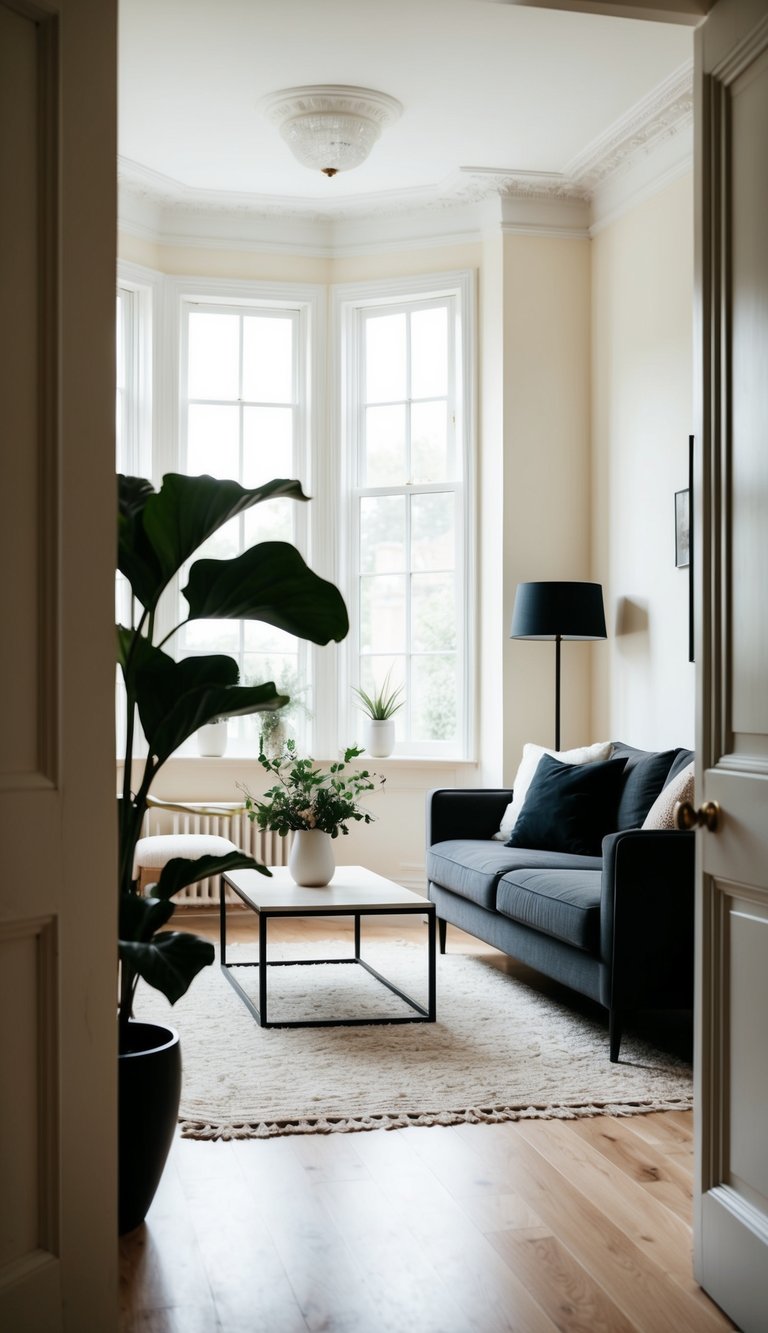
<point>569,807</point>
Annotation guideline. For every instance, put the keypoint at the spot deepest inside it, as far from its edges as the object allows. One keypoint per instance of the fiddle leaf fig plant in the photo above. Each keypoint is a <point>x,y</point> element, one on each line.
<point>158,532</point>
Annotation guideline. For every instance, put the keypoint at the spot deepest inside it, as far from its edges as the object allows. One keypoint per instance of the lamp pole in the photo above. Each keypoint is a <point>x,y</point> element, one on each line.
<point>558,639</point>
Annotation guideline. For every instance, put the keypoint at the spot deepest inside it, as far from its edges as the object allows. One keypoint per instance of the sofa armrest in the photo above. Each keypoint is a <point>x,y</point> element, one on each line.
<point>465,812</point>
<point>646,916</point>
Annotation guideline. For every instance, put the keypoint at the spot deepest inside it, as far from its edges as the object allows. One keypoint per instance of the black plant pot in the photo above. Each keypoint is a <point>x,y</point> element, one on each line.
<point>149,1088</point>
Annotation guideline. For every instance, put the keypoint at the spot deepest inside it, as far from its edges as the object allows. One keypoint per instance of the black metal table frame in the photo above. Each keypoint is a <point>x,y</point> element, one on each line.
<point>422,1014</point>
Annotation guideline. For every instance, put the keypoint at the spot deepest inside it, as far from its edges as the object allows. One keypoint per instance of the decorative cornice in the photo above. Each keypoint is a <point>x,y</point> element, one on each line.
<point>664,113</point>
<point>484,182</point>
<point>152,202</point>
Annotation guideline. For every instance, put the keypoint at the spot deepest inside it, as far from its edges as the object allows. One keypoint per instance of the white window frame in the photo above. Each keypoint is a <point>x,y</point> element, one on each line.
<point>175,296</point>
<point>349,300</point>
<point>140,288</point>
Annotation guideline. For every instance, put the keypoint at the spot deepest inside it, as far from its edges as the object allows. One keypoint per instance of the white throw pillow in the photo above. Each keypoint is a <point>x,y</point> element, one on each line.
<point>662,813</point>
<point>584,754</point>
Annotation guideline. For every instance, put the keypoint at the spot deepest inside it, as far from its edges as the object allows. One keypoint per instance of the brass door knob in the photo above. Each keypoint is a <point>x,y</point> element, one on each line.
<point>688,817</point>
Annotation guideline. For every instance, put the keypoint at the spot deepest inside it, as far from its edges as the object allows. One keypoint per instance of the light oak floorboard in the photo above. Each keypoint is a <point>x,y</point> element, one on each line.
<point>580,1226</point>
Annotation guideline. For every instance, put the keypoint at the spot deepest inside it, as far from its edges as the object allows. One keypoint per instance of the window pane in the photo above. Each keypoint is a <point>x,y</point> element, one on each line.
<point>214,358</point>
<point>433,612</point>
<point>212,636</point>
<point>263,638</point>
<point>271,521</point>
<point>385,355</point>
<point>258,668</point>
<point>385,446</point>
<point>212,441</point>
<point>382,534</point>
<point>382,614</point>
<point>429,353</point>
<point>375,669</point>
<point>267,444</point>
<point>432,532</point>
<point>429,443</point>
<point>267,359</point>
<point>433,698</point>
<point>119,343</point>
<point>221,545</point>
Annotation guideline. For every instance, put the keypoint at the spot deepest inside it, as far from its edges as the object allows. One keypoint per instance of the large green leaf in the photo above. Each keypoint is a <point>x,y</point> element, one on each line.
<point>270,582</point>
<point>169,962</point>
<point>180,871</point>
<point>135,557</point>
<point>159,530</point>
<point>175,698</point>
<point>140,917</point>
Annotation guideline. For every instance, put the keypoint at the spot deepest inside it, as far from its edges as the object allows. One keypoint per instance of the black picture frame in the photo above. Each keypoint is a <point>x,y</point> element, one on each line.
<point>683,528</point>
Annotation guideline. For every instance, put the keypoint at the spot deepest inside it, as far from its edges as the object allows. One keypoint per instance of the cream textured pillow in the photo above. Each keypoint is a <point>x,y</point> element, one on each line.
<point>585,754</point>
<point>662,813</point>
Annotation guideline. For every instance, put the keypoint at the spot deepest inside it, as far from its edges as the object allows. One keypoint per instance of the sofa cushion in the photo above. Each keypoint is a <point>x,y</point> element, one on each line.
<point>662,813</point>
<point>585,754</point>
<point>682,759</point>
<point>562,903</point>
<point>644,776</point>
<point>472,867</point>
<point>569,808</point>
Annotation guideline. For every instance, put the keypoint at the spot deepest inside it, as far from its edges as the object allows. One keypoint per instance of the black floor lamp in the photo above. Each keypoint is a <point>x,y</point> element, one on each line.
<point>558,611</point>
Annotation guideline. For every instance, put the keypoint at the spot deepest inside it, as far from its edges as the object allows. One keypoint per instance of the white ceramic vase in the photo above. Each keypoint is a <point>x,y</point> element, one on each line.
<point>212,738</point>
<point>379,736</point>
<point>311,862</point>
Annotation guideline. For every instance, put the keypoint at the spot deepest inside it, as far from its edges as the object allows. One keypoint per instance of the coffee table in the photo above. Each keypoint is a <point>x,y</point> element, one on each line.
<point>353,891</point>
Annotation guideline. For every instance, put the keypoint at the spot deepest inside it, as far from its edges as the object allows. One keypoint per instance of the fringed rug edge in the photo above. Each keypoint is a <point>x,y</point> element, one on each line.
<point>196,1129</point>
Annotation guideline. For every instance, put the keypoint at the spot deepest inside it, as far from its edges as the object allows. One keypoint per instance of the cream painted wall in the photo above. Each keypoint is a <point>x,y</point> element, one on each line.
<point>546,520</point>
<point>642,299</point>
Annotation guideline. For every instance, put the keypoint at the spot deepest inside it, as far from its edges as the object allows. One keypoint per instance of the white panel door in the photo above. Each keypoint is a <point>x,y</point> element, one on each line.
<point>57,768</point>
<point>731,1204</point>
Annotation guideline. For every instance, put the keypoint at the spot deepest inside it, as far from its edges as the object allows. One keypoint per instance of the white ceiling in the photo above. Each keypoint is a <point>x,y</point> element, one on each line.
<point>482,84</point>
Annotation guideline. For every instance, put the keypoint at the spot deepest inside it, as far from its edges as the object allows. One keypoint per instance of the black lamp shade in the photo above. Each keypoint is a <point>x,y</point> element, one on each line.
<point>564,610</point>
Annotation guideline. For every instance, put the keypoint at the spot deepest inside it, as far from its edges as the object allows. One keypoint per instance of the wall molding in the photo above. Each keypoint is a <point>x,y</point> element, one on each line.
<point>626,162</point>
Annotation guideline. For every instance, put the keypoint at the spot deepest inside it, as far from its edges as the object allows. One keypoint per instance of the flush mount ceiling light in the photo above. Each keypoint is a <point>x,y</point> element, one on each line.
<point>331,127</point>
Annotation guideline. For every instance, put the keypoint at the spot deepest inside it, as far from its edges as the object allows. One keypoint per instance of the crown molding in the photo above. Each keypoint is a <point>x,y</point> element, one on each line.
<point>666,112</point>
<point>609,175</point>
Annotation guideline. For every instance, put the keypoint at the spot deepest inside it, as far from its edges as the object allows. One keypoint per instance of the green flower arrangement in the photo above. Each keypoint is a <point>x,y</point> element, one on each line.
<point>308,797</point>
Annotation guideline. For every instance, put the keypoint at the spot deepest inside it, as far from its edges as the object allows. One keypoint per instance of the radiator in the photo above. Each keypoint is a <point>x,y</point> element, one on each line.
<point>268,848</point>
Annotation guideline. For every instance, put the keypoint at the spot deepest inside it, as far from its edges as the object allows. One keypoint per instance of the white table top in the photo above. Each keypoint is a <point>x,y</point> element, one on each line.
<point>352,887</point>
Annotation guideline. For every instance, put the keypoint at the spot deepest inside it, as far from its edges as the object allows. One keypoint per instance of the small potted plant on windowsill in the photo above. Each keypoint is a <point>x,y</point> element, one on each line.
<point>379,709</point>
<point>314,804</point>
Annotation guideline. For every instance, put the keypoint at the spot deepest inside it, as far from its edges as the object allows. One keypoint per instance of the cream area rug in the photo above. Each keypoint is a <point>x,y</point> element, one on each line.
<point>499,1050</point>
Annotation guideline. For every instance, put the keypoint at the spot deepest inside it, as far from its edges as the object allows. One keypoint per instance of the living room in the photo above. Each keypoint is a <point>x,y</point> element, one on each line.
<point>571,393</point>
<point>562,269</point>
<point>580,279</point>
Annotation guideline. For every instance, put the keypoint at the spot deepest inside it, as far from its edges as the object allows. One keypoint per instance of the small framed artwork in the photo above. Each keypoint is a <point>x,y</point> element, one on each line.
<point>682,529</point>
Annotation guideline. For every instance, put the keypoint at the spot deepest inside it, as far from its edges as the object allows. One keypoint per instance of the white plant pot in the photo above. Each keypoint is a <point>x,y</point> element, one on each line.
<point>311,862</point>
<point>379,737</point>
<point>212,739</point>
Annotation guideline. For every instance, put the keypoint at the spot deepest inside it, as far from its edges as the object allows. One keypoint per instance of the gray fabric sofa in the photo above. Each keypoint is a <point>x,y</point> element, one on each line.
<point>616,927</point>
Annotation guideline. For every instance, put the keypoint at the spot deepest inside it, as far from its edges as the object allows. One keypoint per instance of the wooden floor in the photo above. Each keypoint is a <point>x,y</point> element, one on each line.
<point>580,1225</point>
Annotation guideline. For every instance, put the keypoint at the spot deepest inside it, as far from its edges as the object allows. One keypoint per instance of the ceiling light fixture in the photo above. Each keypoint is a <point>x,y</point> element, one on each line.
<point>331,127</point>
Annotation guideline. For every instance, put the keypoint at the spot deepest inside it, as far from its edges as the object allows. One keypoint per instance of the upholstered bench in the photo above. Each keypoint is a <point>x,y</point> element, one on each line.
<point>154,851</point>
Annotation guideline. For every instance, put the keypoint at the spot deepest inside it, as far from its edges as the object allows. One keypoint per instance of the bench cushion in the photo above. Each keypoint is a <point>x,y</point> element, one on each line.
<point>472,867</point>
<point>561,903</point>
